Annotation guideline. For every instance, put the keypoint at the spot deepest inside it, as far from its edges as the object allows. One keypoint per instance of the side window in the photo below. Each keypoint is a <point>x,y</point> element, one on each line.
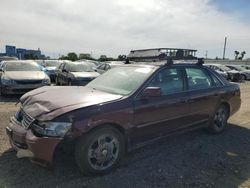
<point>107,67</point>
<point>216,68</point>
<point>169,80</point>
<point>102,67</point>
<point>61,66</point>
<point>67,67</point>
<point>198,79</point>
<point>217,82</point>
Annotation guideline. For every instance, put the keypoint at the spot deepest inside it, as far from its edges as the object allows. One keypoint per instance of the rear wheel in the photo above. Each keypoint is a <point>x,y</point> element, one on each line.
<point>219,120</point>
<point>100,151</point>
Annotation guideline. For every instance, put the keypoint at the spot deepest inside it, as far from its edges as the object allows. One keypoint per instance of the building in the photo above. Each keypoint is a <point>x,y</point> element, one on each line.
<point>22,53</point>
<point>159,54</point>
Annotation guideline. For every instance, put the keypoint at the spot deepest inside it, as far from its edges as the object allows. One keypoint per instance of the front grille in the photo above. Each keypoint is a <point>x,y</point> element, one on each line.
<point>28,81</point>
<point>26,119</point>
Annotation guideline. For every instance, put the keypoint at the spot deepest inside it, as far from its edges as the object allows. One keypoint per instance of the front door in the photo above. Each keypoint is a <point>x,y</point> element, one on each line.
<point>157,116</point>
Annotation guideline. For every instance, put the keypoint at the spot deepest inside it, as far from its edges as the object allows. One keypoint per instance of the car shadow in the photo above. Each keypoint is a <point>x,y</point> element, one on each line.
<point>194,159</point>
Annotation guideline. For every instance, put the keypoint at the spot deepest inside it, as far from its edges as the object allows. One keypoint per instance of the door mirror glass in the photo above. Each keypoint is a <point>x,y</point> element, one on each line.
<point>152,91</point>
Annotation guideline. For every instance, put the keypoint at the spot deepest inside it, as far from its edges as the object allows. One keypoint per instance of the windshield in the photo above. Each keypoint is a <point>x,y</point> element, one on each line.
<point>86,67</point>
<point>225,68</point>
<point>238,68</point>
<point>52,63</point>
<point>121,80</point>
<point>22,67</point>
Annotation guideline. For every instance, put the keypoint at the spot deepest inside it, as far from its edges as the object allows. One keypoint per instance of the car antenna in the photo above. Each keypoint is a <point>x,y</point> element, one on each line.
<point>200,61</point>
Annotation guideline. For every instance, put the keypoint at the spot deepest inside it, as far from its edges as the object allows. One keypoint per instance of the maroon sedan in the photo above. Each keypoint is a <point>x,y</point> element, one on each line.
<point>120,110</point>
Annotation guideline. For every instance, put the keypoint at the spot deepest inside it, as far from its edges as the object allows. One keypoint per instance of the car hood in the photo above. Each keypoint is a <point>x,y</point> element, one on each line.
<point>246,71</point>
<point>221,72</point>
<point>25,75</point>
<point>48,102</point>
<point>50,68</point>
<point>85,74</point>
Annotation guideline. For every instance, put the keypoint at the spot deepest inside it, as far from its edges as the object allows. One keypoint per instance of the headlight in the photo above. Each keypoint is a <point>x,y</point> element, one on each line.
<point>46,81</point>
<point>6,81</point>
<point>53,129</point>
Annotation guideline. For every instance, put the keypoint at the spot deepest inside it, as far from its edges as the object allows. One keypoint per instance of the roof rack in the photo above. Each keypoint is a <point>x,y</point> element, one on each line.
<point>171,62</point>
<point>200,61</point>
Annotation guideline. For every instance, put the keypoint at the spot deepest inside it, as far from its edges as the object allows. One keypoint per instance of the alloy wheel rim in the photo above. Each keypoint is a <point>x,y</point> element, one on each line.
<point>103,152</point>
<point>220,118</point>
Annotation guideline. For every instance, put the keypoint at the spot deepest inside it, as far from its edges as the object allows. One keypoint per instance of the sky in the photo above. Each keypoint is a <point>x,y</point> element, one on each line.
<point>114,27</point>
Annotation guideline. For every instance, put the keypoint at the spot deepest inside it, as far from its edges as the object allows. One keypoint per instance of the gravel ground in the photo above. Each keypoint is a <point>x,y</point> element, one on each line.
<point>194,159</point>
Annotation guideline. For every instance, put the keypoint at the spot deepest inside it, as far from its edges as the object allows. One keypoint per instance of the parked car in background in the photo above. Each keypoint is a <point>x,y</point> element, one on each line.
<point>219,70</point>
<point>75,73</point>
<point>106,66</point>
<point>51,66</point>
<point>246,67</point>
<point>19,77</point>
<point>243,71</point>
<point>122,109</point>
<point>232,75</point>
<point>97,63</point>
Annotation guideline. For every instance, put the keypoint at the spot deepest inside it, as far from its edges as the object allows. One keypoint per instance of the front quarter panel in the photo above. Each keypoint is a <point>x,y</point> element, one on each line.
<point>118,113</point>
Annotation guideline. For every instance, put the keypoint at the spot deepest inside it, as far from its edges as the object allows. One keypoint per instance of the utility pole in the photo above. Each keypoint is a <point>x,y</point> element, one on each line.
<point>206,54</point>
<point>225,46</point>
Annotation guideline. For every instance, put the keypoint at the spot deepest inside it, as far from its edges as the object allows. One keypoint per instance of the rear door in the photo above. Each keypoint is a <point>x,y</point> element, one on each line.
<point>204,94</point>
<point>157,116</point>
<point>59,73</point>
<point>65,74</point>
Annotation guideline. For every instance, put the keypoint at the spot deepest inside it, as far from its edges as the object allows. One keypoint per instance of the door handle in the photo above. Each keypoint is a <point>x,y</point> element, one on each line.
<point>190,100</point>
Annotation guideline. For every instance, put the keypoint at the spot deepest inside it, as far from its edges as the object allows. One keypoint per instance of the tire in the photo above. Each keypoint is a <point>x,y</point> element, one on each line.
<point>1,91</point>
<point>57,83</point>
<point>219,120</point>
<point>244,77</point>
<point>99,152</point>
<point>69,83</point>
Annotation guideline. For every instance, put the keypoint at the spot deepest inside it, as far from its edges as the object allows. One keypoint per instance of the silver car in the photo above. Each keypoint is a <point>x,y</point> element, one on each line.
<point>18,77</point>
<point>243,71</point>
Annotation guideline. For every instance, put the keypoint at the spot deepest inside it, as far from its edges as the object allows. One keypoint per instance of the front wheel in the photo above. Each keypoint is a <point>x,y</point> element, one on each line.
<point>69,83</point>
<point>219,120</point>
<point>99,152</point>
<point>57,82</point>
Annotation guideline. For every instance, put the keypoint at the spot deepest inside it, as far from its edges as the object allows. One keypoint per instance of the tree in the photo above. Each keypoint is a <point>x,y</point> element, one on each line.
<point>103,58</point>
<point>242,55</point>
<point>63,57</point>
<point>122,57</point>
<point>72,56</point>
<point>85,56</point>
<point>236,54</point>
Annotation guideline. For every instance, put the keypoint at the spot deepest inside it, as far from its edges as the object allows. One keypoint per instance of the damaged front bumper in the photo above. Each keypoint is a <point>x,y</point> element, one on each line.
<point>39,149</point>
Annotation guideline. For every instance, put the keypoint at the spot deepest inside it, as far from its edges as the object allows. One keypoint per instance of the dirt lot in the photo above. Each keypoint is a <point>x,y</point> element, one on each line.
<point>194,159</point>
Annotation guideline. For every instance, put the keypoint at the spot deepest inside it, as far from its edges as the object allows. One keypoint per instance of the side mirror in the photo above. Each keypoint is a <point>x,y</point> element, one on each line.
<point>152,91</point>
<point>64,70</point>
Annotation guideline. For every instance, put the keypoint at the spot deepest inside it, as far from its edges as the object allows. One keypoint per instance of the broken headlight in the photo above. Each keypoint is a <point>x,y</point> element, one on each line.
<point>53,129</point>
